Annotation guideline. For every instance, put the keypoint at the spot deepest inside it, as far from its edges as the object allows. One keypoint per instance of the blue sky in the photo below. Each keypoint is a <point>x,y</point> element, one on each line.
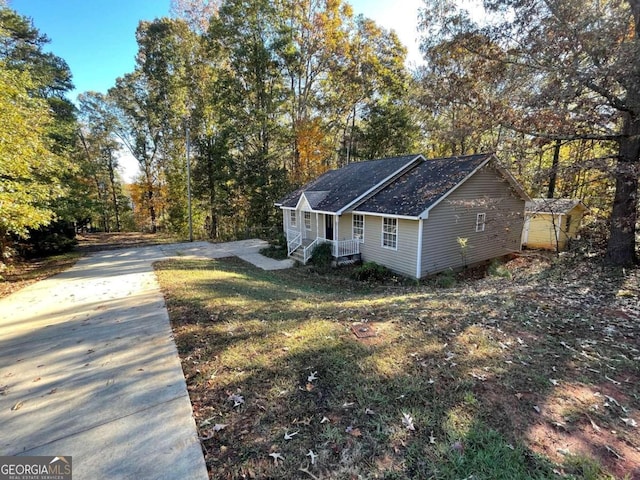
<point>97,37</point>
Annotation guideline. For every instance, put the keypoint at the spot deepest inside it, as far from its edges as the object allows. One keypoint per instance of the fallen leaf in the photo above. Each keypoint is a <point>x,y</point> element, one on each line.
<point>236,399</point>
<point>313,457</point>
<point>312,377</point>
<point>432,439</point>
<point>407,421</point>
<point>368,411</point>
<point>17,406</point>
<point>630,422</point>
<point>325,420</point>
<point>289,436</point>
<point>276,456</point>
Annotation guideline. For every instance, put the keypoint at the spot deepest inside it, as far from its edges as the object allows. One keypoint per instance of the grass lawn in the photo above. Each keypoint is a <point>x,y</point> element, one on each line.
<point>533,376</point>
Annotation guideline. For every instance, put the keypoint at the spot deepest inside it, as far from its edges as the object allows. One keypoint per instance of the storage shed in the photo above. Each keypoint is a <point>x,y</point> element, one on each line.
<point>551,222</point>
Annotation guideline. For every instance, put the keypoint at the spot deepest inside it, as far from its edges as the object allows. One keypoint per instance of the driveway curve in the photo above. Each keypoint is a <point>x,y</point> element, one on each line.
<point>89,368</point>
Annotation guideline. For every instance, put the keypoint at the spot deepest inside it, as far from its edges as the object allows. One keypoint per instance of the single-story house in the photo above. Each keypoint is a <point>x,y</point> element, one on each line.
<point>415,216</point>
<point>551,222</point>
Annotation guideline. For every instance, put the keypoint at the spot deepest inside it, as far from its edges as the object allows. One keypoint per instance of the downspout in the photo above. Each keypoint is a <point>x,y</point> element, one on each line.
<point>419,253</point>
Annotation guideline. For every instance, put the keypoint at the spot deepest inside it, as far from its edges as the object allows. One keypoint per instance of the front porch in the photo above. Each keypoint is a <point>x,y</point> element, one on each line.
<point>302,248</point>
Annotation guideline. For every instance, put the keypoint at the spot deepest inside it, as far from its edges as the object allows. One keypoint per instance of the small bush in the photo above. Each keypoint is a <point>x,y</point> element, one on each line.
<point>498,269</point>
<point>446,279</point>
<point>276,252</point>
<point>59,237</point>
<point>322,256</point>
<point>371,272</point>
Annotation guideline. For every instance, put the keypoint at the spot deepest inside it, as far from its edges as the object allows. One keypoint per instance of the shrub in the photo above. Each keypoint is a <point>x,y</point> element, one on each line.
<point>59,237</point>
<point>446,279</point>
<point>276,252</point>
<point>498,269</point>
<point>322,256</point>
<point>371,272</point>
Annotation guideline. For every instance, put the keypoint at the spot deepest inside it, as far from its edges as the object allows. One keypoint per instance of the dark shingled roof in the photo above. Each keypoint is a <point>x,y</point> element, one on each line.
<point>338,188</point>
<point>417,190</point>
<point>553,205</point>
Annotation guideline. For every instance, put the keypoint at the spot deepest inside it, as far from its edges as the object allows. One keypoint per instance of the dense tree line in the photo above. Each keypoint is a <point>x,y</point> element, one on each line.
<point>273,93</point>
<point>49,183</point>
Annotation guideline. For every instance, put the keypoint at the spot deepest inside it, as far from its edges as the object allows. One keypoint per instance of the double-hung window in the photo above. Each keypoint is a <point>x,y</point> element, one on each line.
<point>307,220</point>
<point>293,219</point>
<point>390,233</point>
<point>358,227</point>
<point>481,219</point>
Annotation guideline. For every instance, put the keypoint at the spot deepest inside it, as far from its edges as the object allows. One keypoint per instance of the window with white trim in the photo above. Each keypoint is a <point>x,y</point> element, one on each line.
<point>358,227</point>
<point>293,219</point>
<point>307,220</point>
<point>481,219</point>
<point>390,233</point>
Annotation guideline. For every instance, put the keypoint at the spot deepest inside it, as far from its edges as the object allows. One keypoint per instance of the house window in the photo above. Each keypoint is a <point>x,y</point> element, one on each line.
<point>358,227</point>
<point>568,223</point>
<point>307,220</point>
<point>390,233</point>
<point>480,222</point>
<point>293,218</point>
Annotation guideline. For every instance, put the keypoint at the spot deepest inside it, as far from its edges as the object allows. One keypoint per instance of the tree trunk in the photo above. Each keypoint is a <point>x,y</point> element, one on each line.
<point>553,176</point>
<point>114,194</point>
<point>621,249</point>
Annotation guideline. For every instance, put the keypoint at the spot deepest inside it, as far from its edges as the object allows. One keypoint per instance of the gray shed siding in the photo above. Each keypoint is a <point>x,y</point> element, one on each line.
<point>455,217</point>
<point>403,260</point>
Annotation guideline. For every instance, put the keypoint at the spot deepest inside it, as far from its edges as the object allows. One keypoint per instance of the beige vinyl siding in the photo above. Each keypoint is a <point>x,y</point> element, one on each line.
<point>403,260</point>
<point>455,217</point>
<point>286,221</point>
<point>313,233</point>
<point>345,232</point>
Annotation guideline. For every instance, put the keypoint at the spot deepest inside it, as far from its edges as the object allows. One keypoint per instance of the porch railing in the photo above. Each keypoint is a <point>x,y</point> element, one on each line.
<point>293,241</point>
<point>344,248</point>
<point>308,250</point>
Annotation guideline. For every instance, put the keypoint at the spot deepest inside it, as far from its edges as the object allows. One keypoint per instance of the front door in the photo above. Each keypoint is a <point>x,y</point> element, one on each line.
<point>328,227</point>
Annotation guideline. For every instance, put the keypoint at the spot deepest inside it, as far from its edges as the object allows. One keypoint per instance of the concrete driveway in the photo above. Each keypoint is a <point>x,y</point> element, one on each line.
<point>89,368</point>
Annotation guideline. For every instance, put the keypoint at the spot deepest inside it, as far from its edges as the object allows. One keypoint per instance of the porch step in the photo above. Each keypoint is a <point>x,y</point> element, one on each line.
<point>297,255</point>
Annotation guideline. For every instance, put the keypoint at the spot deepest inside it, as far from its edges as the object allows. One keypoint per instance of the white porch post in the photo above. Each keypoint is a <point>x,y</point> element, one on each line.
<point>336,235</point>
<point>419,252</point>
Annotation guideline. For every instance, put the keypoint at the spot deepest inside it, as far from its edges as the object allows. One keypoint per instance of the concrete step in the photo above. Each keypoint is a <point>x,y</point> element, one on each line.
<point>297,255</point>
